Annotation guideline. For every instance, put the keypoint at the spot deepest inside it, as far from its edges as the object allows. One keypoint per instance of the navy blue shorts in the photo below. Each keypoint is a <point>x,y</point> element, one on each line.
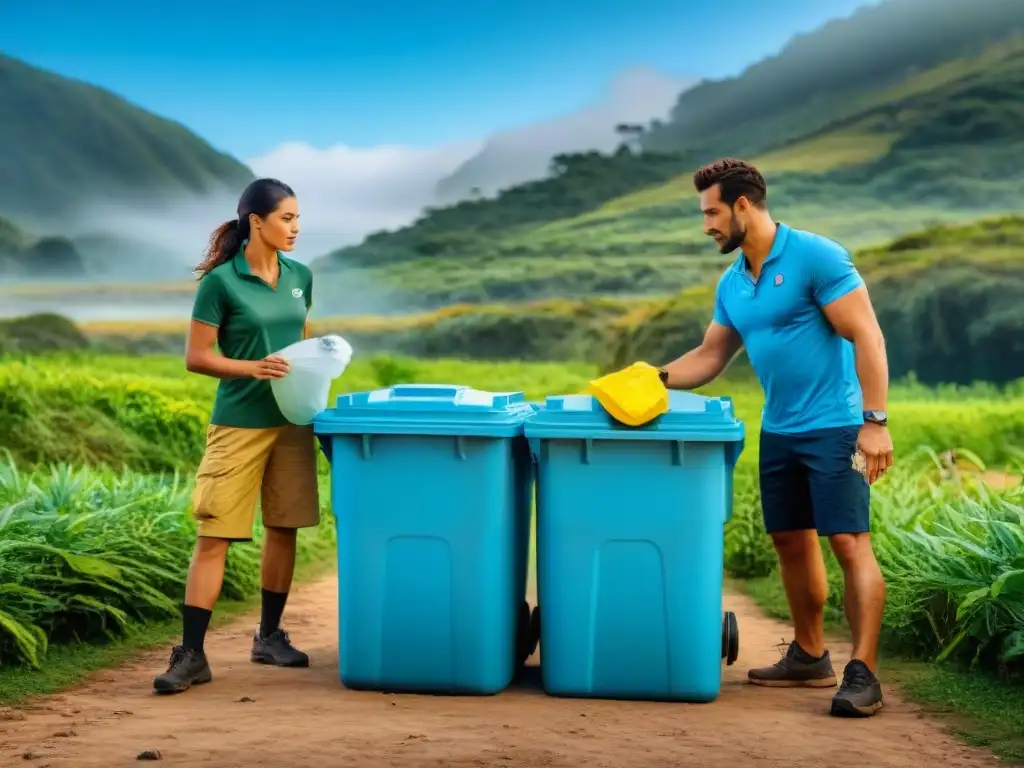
<point>808,481</point>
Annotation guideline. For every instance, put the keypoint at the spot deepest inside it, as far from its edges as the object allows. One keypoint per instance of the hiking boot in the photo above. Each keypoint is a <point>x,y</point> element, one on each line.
<point>187,667</point>
<point>860,695</point>
<point>797,669</point>
<point>277,649</point>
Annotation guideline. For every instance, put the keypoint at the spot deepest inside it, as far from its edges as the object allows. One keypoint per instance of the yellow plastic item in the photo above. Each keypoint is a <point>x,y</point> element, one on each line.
<point>633,396</point>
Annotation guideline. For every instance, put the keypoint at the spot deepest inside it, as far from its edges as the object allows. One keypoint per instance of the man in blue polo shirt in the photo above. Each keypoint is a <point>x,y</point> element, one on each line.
<point>796,303</point>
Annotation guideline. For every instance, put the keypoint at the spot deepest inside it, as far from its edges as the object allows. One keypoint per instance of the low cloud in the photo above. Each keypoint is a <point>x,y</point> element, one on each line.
<point>346,192</point>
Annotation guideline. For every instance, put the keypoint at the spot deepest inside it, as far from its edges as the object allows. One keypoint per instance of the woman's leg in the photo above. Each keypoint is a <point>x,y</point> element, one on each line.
<point>188,665</point>
<point>224,504</point>
<point>205,578</point>
<point>290,501</point>
<point>278,568</point>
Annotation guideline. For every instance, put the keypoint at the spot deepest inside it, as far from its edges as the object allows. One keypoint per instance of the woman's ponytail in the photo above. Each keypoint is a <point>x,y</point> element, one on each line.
<point>224,244</point>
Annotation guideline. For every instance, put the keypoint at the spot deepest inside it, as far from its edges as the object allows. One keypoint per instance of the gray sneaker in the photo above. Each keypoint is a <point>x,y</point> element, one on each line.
<point>860,695</point>
<point>276,649</point>
<point>797,669</point>
<point>186,668</point>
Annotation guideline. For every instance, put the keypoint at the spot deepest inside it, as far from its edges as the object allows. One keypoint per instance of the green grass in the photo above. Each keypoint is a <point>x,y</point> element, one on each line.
<point>979,709</point>
<point>85,554</point>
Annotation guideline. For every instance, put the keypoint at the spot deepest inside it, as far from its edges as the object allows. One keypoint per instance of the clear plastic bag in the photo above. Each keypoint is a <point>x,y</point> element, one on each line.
<point>313,365</point>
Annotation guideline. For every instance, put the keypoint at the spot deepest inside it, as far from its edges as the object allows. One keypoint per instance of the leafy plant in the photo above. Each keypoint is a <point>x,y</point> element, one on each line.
<point>85,552</point>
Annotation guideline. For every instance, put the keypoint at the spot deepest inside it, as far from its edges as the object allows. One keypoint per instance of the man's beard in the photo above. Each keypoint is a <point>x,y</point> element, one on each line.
<point>734,241</point>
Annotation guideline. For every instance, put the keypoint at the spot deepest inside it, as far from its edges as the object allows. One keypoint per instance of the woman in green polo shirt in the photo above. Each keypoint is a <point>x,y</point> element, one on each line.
<point>251,301</point>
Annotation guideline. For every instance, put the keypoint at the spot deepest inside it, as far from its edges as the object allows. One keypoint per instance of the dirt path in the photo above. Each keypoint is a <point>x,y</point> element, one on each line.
<point>257,716</point>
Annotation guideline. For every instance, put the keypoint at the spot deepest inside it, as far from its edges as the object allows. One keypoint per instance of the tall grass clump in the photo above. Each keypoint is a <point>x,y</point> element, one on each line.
<point>949,538</point>
<point>952,552</point>
<point>84,553</point>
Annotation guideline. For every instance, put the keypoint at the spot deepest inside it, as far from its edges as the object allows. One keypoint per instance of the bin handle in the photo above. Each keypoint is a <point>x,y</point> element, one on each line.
<point>426,390</point>
<point>733,451</point>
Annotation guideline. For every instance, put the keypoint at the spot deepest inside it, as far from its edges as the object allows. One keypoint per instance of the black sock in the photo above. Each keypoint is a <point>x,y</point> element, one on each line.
<point>194,622</point>
<point>805,657</point>
<point>273,607</point>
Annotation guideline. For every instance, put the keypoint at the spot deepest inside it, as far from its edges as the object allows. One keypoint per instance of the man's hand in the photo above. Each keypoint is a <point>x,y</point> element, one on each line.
<point>270,367</point>
<point>875,444</point>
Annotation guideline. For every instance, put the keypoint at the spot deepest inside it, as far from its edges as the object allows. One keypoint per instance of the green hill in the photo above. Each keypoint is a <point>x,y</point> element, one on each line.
<point>66,141</point>
<point>948,299</point>
<point>831,74</point>
<point>906,141</point>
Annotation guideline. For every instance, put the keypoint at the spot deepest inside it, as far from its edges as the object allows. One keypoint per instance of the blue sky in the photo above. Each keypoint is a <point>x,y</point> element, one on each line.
<point>250,76</point>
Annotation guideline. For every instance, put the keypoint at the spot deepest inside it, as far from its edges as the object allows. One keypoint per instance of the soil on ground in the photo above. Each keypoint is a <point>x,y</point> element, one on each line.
<point>253,715</point>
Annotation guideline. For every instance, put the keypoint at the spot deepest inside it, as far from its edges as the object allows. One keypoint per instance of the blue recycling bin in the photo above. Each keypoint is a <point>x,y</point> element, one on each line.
<point>432,492</point>
<point>630,548</point>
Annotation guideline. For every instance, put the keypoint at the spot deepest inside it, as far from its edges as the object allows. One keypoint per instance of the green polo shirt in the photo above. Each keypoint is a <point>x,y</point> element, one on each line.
<point>253,320</point>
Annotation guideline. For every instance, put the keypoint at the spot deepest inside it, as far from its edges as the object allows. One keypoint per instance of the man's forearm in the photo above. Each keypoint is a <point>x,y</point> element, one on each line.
<point>872,370</point>
<point>694,369</point>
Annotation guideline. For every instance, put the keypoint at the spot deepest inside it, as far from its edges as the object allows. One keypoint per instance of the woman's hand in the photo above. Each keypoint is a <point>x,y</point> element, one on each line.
<point>270,367</point>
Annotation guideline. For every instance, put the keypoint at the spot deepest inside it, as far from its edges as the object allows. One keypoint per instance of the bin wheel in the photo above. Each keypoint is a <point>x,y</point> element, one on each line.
<point>525,644</point>
<point>730,638</point>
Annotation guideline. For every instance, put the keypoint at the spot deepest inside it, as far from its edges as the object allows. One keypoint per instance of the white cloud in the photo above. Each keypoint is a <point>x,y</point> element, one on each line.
<point>345,192</point>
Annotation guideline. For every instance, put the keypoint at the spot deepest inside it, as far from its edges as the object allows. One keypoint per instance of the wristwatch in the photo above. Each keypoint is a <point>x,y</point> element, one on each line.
<point>663,375</point>
<point>881,418</point>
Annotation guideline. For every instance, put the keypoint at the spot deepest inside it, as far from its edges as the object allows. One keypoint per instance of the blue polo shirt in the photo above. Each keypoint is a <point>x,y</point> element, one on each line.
<point>807,370</point>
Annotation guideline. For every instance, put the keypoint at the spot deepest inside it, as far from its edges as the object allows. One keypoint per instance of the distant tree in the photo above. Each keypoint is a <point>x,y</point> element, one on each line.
<point>630,134</point>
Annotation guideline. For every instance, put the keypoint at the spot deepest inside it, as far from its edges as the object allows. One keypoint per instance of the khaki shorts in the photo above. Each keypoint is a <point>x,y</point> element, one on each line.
<point>276,467</point>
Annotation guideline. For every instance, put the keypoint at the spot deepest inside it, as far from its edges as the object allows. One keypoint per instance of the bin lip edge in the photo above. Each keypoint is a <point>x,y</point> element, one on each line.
<point>499,429</point>
<point>725,433</point>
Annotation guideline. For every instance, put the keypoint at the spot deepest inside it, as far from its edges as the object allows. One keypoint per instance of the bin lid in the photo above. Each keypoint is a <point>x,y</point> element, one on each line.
<point>689,417</point>
<point>426,409</point>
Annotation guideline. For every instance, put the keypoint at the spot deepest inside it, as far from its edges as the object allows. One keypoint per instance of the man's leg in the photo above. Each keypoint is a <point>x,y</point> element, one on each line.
<point>788,518</point>
<point>863,594</point>
<point>290,501</point>
<point>806,583</point>
<point>224,504</point>
<point>841,498</point>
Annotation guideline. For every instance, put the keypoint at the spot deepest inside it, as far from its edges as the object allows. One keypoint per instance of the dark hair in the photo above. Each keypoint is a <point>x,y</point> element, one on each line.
<point>736,179</point>
<point>261,197</point>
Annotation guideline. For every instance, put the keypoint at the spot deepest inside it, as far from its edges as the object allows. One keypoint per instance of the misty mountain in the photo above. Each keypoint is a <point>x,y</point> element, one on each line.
<point>66,142</point>
<point>29,255</point>
<point>511,157</point>
<point>23,255</point>
<point>823,77</point>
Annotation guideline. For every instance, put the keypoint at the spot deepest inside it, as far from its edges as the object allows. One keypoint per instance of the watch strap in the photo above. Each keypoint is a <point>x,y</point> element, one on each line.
<point>876,417</point>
